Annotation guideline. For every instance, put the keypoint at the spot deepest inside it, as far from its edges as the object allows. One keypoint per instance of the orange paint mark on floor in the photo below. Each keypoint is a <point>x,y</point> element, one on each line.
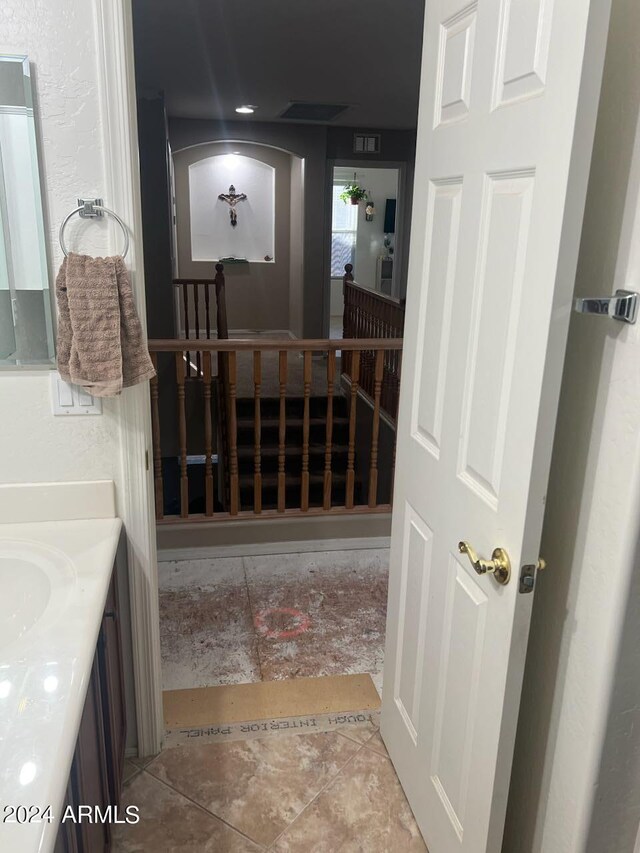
<point>301,623</point>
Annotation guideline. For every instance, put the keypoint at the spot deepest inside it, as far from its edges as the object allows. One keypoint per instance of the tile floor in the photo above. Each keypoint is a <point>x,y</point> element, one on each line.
<point>311,792</point>
<point>239,620</point>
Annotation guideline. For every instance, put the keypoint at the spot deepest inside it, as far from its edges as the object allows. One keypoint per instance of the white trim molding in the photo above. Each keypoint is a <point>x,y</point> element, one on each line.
<point>122,193</point>
<point>262,549</point>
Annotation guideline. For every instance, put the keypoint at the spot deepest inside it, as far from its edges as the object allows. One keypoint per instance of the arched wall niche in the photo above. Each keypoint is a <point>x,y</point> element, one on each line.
<point>228,227</point>
<point>262,295</point>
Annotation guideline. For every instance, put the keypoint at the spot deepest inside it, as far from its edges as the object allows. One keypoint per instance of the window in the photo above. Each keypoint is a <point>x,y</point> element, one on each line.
<point>344,228</point>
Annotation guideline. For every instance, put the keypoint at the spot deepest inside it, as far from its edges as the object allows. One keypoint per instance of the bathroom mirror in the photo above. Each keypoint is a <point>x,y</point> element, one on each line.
<point>26,328</point>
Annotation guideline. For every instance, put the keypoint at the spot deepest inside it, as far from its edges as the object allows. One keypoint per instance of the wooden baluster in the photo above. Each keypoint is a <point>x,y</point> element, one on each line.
<point>365,364</point>
<point>366,333</point>
<point>234,482</point>
<point>207,310</point>
<point>347,316</point>
<point>369,308</point>
<point>394,414</point>
<point>208,436</point>
<point>375,429</point>
<point>386,378</point>
<point>351,476</point>
<point>185,302</point>
<point>282,431</point>
<point>257,427</point>
<point>331,375</point>
<point>182,424</point>
<point>196,305</point>
<point>157,447</point>
<point>396,381</point>
<point>379,322</point>
<point>304,486</point>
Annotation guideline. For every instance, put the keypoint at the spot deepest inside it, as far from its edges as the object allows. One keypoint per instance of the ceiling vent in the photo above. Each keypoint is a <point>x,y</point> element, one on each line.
<point>366,143</point>
<point>300,111</point>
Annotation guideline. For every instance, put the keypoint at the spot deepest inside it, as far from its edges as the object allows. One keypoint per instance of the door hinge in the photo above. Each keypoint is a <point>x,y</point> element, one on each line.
<point>146,460</point>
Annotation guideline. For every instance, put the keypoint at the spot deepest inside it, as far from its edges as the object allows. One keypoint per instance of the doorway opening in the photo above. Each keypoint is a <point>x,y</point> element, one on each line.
<point>364,237</point>
<point>274,409</point>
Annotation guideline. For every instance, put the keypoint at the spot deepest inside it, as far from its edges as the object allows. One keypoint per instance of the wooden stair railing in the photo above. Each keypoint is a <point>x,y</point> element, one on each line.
<point>195,298</point>
<point>194,303</point>
<point>369,314</point>
<point>295,444</point>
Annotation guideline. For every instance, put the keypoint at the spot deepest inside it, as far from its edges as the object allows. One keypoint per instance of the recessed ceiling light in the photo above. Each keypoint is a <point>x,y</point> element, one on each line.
<point>246,109</point>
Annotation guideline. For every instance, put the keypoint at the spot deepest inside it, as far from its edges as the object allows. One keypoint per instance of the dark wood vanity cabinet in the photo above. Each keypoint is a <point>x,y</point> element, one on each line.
<point>96,771</point>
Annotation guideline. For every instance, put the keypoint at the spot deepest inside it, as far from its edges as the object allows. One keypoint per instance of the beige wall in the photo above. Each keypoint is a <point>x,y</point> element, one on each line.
<point>257,293</point>
<point>296,280</point>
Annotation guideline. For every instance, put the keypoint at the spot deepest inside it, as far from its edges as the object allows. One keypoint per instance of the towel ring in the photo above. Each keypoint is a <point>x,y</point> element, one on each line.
<point>89,210</point>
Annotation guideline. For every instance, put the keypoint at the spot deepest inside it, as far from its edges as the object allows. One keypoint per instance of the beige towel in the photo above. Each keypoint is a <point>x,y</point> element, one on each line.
<point>101,345</point>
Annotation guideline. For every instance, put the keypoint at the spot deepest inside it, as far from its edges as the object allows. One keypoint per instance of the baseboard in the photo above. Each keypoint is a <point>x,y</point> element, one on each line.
<point>255,537</point>
<point>262,333</point>
<point>252,333</point>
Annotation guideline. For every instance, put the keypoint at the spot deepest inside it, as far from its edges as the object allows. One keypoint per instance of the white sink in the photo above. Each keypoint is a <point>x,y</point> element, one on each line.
<point>35,582</point>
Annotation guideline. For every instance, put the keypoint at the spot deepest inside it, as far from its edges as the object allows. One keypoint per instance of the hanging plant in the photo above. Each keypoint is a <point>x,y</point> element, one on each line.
<point>353,194</point>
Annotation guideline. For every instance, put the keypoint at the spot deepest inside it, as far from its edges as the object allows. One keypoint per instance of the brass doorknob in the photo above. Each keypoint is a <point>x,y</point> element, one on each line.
<point>499,565</point>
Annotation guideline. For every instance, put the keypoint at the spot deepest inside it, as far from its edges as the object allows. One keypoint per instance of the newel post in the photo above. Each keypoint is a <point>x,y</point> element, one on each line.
<point>347,278</point>
<point>223,328</point>
<point>347,326</point>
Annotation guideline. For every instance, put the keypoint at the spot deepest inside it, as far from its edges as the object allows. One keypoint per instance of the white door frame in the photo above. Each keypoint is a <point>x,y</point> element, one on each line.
<point>116,77</point>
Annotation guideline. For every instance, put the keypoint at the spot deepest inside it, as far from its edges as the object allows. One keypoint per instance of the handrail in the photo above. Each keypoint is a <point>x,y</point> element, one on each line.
<point>272,344</point>
<point>196,286</point>
<point>375,294</point>
<point>294,436</point>
<point>194,280</point>
<point>193,303</point>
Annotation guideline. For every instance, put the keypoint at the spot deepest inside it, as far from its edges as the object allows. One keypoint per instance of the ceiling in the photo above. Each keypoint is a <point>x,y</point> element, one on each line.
<point>210,56</point>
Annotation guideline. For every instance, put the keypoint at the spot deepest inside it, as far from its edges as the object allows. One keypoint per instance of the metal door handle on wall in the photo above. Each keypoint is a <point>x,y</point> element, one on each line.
<point>623,305</point>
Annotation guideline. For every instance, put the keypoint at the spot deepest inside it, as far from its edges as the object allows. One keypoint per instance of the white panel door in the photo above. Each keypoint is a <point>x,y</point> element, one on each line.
<point>507,110</point>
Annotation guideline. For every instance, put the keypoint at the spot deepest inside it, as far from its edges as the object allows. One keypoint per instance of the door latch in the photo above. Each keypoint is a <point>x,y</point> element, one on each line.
<point>623,305</point>
<point>528,575</point>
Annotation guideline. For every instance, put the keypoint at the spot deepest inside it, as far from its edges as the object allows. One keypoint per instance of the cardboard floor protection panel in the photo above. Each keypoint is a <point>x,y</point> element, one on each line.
<point>269,700</point>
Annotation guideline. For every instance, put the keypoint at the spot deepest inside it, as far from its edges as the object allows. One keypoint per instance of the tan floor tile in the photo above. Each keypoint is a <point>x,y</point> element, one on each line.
<point>258,786</point>
<point>130,769</point>
<point>360,733</point>
<point>169,822</point>
<point>363,809</point>
<point>377,745</point>
<point>142,760</point>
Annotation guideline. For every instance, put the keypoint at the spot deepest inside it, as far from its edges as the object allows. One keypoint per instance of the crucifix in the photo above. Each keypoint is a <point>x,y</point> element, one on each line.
<point>232,198</point>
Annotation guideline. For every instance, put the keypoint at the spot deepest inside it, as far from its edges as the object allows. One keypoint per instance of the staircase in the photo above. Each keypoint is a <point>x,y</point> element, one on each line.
<point>269,413</point>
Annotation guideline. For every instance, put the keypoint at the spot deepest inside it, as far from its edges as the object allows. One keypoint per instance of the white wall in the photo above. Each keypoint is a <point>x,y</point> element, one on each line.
<point>212,235</point>
<point>60,39</point>
<point>576,777</point>
<point>381,184</point>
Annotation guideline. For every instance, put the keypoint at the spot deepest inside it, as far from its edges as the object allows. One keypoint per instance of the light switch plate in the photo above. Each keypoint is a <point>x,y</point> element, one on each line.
<point>67,399</point>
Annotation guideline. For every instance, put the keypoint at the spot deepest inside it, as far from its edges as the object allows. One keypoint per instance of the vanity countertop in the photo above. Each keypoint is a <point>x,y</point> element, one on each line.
<point>57,575</point>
